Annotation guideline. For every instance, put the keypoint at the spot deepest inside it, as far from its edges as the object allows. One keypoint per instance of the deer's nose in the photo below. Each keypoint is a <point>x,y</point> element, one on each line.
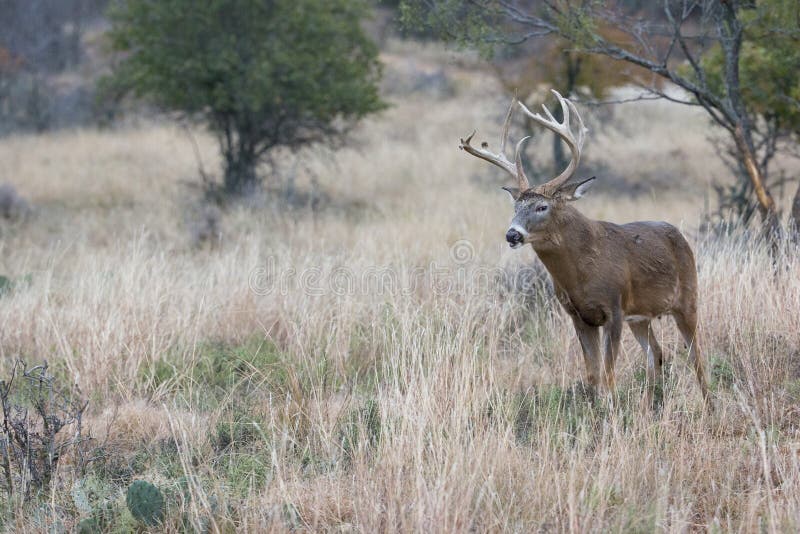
<point>513,237</point>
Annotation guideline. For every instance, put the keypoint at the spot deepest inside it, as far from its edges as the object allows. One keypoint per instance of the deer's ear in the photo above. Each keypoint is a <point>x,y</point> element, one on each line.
<point>575,190</point>
<point>513,191</point>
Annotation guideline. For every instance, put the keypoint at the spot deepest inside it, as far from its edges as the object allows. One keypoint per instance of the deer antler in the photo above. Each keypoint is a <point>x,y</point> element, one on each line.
<point>563,130</point>
<point>514,169</point>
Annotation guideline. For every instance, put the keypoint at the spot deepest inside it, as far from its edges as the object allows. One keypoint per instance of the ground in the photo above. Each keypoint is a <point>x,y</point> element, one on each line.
<point>367,354</point>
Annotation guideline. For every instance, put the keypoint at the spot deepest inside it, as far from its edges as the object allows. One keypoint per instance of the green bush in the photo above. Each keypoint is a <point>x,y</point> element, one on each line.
<point>261,74</point>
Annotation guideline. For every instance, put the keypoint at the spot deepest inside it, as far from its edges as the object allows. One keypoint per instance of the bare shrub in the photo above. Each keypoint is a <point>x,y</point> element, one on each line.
<point>12,205</point>
<point>41,421</point>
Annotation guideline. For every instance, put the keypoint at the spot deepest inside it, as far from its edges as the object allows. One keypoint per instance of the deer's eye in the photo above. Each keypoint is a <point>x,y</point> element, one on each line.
<point>541,208</point>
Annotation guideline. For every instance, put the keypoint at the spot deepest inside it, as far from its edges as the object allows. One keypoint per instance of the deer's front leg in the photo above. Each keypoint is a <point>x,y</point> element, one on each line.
<point>589,337</point>
<point>613,334</point>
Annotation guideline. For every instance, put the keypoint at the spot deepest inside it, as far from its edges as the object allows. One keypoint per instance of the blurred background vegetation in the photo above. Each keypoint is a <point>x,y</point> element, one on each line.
<point>264,76</point>
<point>738,60</point>
<point>161,159</point>
<point>260,75</point>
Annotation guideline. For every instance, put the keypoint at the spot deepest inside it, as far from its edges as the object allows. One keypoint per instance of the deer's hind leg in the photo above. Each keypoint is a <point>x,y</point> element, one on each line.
<point>643,332</point>
<point>686,319</point>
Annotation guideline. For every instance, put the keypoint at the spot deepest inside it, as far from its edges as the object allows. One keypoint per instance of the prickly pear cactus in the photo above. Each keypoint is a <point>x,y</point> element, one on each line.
<point>145,502</point>
<point>81,499</point>
<point>89,493</point>
<point>88,525</point>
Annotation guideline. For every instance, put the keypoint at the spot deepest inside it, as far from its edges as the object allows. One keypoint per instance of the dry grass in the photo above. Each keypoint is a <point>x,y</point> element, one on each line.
<point>432,408</point>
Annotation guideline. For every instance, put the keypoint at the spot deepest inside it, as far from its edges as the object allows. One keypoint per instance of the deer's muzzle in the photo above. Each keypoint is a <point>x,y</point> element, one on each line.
<point>514,237</point>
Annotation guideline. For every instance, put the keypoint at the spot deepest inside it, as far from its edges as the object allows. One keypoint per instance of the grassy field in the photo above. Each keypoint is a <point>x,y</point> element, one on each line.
<point>382,361</point>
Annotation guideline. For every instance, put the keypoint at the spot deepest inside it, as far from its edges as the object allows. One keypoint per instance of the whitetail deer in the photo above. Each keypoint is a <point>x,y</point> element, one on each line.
<point>603,273</point>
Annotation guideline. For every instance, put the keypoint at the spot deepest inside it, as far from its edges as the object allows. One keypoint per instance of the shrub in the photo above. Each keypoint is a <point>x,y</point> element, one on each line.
<point>260,74</point>
<point>38,414</point>
<point>12,205</point>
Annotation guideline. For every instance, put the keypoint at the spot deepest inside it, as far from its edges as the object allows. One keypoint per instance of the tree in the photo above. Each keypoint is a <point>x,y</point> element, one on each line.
<point>261,74</point>
<point>688,30</point>
<point>770,80</point>
<point>532,68</point>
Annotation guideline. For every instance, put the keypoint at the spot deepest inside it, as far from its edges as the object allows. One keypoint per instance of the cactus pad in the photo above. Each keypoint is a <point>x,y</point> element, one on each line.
<point>145,502</point>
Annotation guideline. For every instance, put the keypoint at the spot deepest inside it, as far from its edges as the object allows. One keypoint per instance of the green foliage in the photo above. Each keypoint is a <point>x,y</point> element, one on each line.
<point>166,458</point>
<point>769,87</point>
<point>145,502</point>
<point>89,493</point>
<point>102,518</point>
<point>262,74</point>
<point>246,471</point>
<point>96,499</point>
<point>723,375</point>
<point>769,64</point>
<point>238,428</point>
<point>88,525</point>
<point>452,20</point>
<point>793,389</point>
<point>123,522</point>
<point>220,368</point>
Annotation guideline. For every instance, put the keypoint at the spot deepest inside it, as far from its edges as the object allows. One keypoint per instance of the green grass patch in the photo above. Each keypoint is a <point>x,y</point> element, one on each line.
<point>238,428</point>
<point>215,370</point>
<point>360,429</point>
<point>245,472</point>
<point>571,416</point>
<point>723,375</point>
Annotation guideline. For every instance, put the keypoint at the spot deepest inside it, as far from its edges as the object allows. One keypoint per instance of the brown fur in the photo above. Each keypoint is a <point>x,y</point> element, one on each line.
<point>604,273</point>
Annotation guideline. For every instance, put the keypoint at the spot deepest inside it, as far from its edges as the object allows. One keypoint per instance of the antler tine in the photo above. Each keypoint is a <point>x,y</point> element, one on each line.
<point>483,153</point>
<point>582,130</point>
<point>499,159</point>
<point>522,180</point>
<point>565,110</point>
<point>562,129</point>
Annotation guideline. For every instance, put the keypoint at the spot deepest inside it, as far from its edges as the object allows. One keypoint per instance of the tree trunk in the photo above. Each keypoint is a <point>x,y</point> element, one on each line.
<point>794,218</point>
<point>732,33</point>
<point>240,175</point>
<point>241,178</point>
<point>765,201</point>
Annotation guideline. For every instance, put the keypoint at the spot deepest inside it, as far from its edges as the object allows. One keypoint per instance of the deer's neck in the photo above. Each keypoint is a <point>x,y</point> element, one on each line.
<point>565,250</point>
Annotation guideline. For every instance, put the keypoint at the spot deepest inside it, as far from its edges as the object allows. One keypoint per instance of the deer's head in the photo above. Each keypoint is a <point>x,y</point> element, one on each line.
<point>537,209</point>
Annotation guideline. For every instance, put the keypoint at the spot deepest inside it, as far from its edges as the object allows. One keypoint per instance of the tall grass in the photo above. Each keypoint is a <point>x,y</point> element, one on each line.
<point>384,363</point>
